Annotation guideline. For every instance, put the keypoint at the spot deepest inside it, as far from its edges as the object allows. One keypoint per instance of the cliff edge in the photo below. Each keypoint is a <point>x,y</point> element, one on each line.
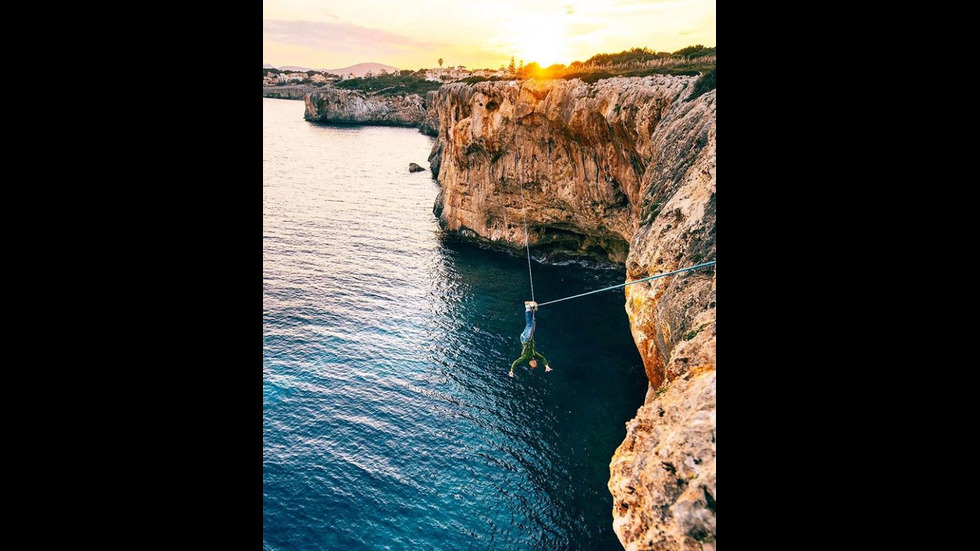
<point>621,170</point>
<point>337,106</point>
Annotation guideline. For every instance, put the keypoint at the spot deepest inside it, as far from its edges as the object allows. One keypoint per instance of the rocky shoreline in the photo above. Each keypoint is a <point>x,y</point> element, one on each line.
<point>296,91</point>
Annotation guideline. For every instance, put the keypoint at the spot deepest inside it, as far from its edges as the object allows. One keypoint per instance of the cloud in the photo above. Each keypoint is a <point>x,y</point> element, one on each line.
<point>331,36</point>
<point>320,43</point>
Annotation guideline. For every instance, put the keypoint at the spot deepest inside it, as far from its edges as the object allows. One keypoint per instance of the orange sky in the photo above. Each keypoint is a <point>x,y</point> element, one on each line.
<point>328,34</point>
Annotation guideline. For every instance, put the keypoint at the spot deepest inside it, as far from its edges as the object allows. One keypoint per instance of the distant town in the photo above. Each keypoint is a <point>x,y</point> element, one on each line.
<point>277,77</point>
<point>697,60</point>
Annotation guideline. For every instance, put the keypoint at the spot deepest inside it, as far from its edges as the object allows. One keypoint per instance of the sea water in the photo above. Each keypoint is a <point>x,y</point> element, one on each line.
<point>389,421</point>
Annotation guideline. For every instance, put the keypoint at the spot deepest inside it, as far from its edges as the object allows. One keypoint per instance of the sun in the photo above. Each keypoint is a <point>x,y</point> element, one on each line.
<point>541,41</point>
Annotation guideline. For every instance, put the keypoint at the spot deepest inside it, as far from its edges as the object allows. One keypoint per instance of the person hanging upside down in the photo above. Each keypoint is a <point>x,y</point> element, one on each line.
<point>527,340</point>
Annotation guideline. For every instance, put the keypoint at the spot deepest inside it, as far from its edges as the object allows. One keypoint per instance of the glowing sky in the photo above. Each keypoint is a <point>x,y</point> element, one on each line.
<point>414,34</point>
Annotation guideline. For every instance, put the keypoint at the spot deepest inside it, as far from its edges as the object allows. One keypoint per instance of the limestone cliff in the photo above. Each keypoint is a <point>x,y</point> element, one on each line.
<point>337,106</point>
<point>662,476</point>
<point>295,91</point>
<point>623,170</point>
<point>430,122</point>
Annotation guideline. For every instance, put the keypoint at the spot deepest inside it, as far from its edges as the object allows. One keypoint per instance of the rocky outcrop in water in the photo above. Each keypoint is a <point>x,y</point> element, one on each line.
<point>621,170</point>
<point>412,167</point>
<point>336,106</point>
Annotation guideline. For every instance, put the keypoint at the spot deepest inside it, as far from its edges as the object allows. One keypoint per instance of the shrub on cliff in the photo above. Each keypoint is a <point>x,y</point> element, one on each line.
<point>635,55</point>
<point>389,85</point>
<point>696,51</point>
<point>597,75</point>
<point>588,77</point>
<point>637,62</point>
<point>474,80</point>
<point>704,84</point>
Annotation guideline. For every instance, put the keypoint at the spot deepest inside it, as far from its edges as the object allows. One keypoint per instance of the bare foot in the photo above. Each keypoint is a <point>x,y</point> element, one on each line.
<point>511,374</point>
<point>547,368</point>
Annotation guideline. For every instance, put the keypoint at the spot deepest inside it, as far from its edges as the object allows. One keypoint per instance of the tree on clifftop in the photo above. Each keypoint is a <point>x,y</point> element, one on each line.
<point>512,67</point>
<point>531,70</point>
<point>440,62</point>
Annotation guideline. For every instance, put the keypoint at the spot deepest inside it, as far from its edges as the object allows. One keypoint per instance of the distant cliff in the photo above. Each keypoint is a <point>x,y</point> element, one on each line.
<point>337,106</point>
<point>622,170</point>
<point>296,91</point>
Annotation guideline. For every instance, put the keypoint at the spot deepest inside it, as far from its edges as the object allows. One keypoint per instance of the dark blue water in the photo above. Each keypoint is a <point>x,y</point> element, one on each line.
<point>389,419</point>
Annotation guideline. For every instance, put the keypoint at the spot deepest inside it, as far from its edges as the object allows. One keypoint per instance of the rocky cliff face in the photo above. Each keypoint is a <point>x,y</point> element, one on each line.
<point>622,170</point>
<point>337,106</point>
<point>662,476</point>
<point>296,91</point>
<point>430,122</point>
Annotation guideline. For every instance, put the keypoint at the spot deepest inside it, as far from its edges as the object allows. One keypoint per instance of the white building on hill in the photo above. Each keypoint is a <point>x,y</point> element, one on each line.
<point>447,74</point>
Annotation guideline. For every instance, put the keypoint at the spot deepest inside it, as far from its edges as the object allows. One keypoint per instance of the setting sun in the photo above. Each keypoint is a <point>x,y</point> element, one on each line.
<point>543,41</point>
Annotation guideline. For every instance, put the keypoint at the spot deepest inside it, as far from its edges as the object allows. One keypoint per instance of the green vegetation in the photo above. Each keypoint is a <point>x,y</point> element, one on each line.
<point>644,55</point>
<point>693,52</point>
<point>655,209</point>
<point>635,55</point>
<point>637,62</point>
<point>596,76</point>
<point>694,332</point>
<point>704,84</point>
<point>307,79</point>
<point>390,84</point>
<point>531,70</point>
<point>474,80</point>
